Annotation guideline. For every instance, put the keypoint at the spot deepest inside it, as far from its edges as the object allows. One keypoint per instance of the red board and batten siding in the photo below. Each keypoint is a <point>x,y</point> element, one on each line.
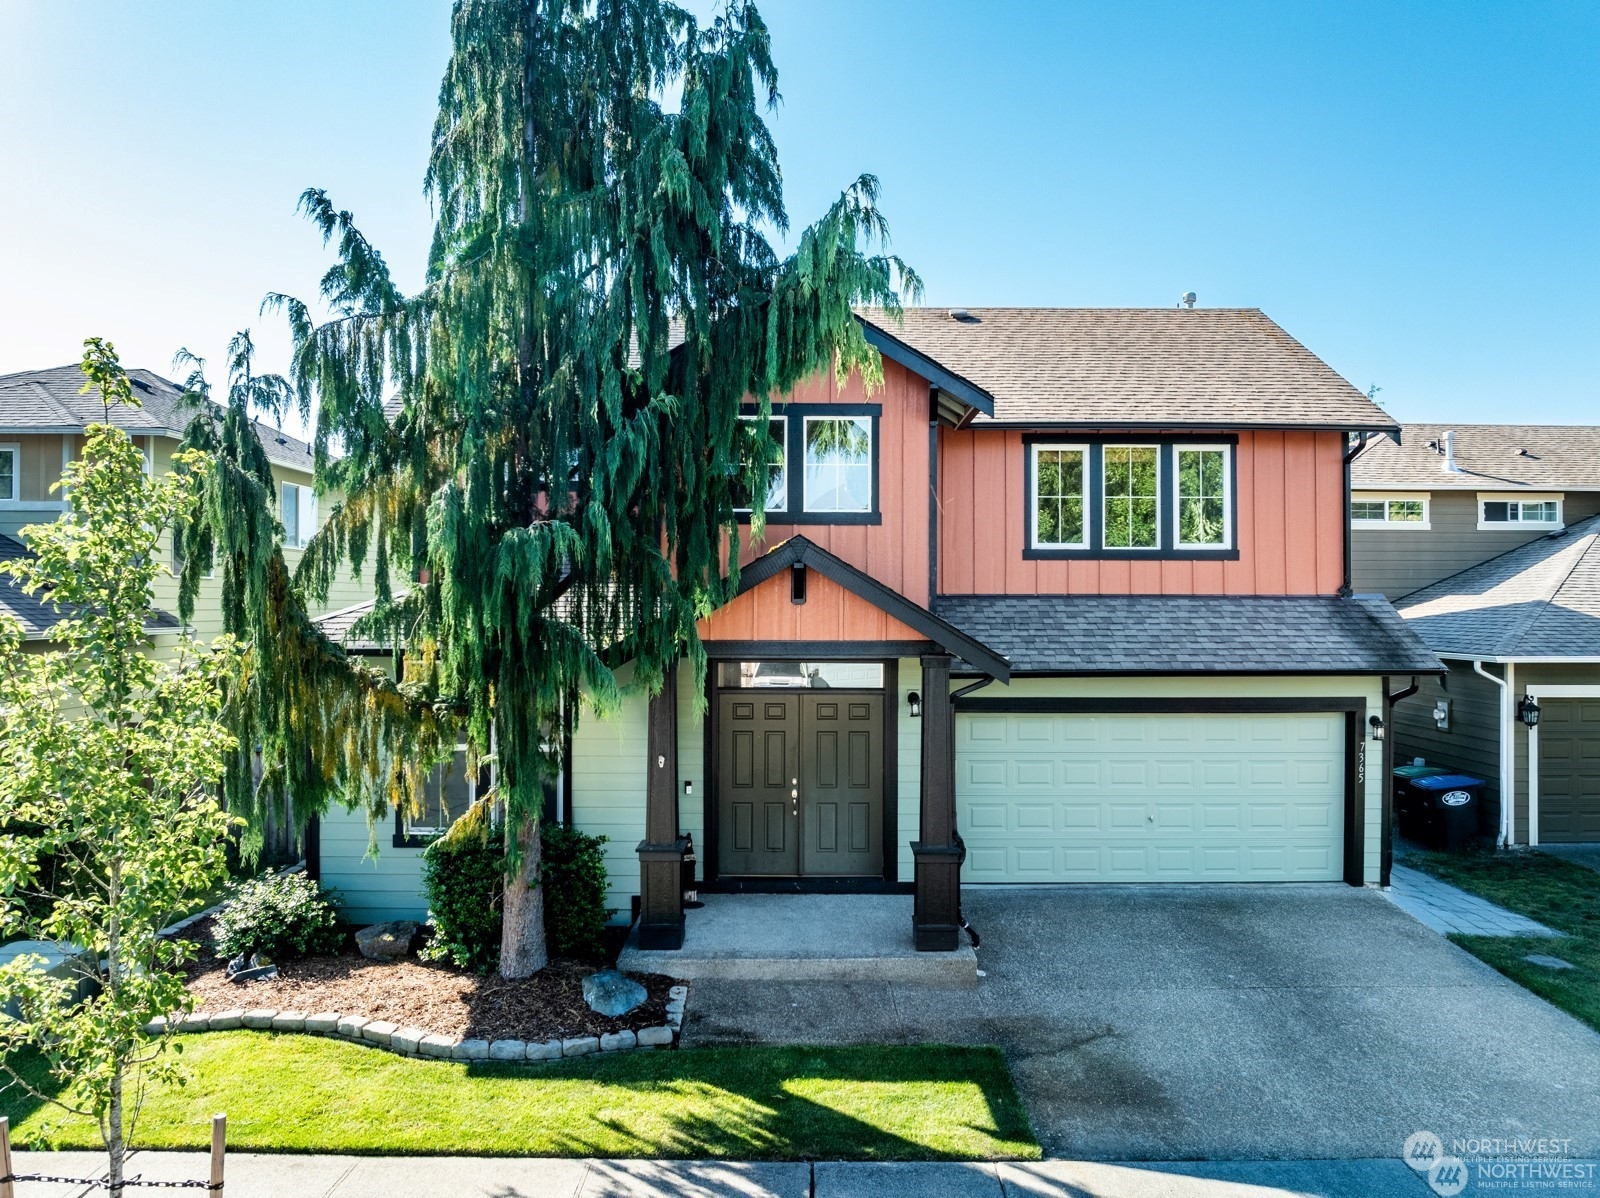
<point>895,552</point>
<point>830,613</point>
<point>1290,525</point>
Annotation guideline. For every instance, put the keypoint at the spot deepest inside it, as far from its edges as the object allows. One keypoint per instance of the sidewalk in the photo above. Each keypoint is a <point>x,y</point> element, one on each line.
<point>258,1175</point>
<point>1446,908</point>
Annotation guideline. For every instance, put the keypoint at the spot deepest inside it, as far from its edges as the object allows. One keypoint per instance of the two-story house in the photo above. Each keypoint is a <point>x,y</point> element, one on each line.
<point>1063,601</point>
<point>43,414</point>
<point>1485,536</point>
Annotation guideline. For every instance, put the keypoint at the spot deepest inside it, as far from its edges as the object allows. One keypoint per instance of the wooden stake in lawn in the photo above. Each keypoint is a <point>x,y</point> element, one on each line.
<point>219,1148</point>
<point>8,1188</point>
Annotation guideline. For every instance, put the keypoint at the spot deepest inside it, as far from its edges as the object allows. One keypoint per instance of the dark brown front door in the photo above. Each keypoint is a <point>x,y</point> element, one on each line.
<point>841,784</point>
<point>800,784</point>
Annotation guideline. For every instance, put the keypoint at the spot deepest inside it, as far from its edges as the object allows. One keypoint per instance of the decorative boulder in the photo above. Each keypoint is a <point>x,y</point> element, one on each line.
<point>610,993</point>
<point>390,941</point>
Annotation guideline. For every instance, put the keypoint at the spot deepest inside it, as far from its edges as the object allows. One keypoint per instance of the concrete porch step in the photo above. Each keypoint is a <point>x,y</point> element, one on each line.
<point>803,937</point>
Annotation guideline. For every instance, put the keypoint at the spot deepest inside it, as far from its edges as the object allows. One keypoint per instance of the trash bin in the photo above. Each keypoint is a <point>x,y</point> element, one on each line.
<point>1444,809</point>
<point>1408,803</point>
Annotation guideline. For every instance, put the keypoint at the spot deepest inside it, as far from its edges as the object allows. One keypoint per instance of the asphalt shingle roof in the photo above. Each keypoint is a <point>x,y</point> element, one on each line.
<point>1165,634</point>
<point>37,614</point>
<point>1498,457</point>
<point>48,401</point>
<point>1541,599</point>
<point>1149,367</point>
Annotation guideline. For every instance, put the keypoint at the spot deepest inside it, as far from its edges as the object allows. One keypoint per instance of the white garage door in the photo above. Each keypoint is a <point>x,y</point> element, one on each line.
<point>1151,798</point>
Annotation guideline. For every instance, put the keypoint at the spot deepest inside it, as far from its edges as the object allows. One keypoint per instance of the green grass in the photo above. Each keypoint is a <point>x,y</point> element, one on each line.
<point>293,1093</point>
<point>1558,894</point>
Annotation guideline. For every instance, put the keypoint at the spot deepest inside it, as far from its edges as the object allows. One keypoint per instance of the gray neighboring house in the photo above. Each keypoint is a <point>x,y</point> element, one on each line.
<point>1444,498</point>
<point>1483,537</point>
<point>1521,635</point>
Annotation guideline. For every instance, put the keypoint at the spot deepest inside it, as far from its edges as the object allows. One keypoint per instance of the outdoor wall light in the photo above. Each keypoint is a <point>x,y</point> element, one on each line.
<point>688,786</point>
<point>915,702</point>
<point>1528,711</point>
<point>797,583</point>
<point>1377,727</point>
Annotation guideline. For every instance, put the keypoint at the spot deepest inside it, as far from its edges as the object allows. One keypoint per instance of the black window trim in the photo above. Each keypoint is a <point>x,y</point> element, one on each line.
<point>1166,548</point>
<point>794,416</point>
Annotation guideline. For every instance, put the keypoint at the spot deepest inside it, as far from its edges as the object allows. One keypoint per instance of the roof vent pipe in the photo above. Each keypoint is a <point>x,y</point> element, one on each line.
<point>1189,299</point>
<point>1448,444</point>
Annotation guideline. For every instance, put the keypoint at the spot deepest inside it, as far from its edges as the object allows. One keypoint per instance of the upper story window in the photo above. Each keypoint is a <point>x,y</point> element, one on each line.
<point>1368,510</point>
<point>10,473</point>
<point>297,509</point>
<point>1519,511</point>
<point>1130,483</point>
<point>1061,496</point>
<point>1130,499</point>
<point>823,467</point>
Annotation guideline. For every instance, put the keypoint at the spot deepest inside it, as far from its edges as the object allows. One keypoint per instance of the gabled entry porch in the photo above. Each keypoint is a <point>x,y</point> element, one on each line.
<point>829,753</point>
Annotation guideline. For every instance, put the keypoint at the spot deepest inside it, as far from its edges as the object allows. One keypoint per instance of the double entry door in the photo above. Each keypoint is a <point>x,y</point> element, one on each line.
<point>800,784</point>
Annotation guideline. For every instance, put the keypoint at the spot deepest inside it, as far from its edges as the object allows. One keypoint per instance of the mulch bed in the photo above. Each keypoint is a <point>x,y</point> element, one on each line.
<point>438,998</point>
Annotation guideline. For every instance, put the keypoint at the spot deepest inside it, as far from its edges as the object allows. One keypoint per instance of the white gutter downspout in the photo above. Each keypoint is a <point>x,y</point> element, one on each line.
<point>1508,764</point>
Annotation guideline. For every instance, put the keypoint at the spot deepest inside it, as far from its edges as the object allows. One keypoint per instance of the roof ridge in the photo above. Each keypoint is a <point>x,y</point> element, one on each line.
<point>1579,528</point>
<point>1525,625</point>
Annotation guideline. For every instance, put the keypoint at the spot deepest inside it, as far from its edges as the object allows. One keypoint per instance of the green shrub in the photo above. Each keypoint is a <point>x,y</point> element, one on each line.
<point>574,872</point>
<point>463,875</point>
<point>284,916</point>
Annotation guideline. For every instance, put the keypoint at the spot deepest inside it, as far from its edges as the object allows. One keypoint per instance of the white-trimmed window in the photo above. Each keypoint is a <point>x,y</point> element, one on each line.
<point>10,473</point>
<point>1203,495</point>
<point>838,464</point>
<point>777,466</point>
<point>1519,511</point>
<point>1060,477</point>
<point>1371,510</point>
<point>447,792</point>
<point>1130,482</point>
<point>297,509</point>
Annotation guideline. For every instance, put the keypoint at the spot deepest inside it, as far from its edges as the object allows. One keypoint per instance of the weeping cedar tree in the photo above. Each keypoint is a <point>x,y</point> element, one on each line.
<point>309,723</point>
<point>557,470</point>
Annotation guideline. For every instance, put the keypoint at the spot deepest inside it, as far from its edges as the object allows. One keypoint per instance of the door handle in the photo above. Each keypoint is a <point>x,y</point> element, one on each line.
<point>794,802</point>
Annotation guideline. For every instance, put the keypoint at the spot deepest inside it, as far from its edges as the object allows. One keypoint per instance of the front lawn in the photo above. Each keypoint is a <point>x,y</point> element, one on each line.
<point>308,1094</point>
<point>1559,895</point>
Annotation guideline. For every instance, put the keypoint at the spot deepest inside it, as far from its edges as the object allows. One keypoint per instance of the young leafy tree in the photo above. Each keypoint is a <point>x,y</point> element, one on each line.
<point>109,757</point>
<point>557,478</point>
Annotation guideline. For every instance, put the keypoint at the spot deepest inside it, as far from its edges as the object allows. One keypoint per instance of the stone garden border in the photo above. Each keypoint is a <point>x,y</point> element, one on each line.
<point>418,1042</point>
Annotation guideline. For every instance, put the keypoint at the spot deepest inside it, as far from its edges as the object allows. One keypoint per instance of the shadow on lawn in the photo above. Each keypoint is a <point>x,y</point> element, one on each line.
<point>763,1112</point>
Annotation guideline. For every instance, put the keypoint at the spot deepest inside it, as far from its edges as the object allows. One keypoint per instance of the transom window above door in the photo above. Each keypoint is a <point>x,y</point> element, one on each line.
<point>821,463</point>
<point>1158,498</point>
<point>800,675</point>
<point>1519,511</point>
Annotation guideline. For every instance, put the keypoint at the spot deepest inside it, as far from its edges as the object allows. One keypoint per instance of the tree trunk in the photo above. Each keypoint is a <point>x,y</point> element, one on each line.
<point>116,1146</point>
<point>522,948</point>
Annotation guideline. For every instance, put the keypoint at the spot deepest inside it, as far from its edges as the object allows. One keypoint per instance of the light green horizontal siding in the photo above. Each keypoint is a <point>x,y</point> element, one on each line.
<point>608,776</point>
<point>908,774</point>
<point>370,889</point>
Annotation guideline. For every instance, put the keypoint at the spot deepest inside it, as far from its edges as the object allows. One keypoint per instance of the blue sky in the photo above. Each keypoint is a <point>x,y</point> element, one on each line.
<point>1409,188</point>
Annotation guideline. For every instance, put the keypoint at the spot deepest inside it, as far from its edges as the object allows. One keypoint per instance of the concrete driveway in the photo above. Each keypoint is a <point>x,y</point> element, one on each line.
<point>1219,1023</point>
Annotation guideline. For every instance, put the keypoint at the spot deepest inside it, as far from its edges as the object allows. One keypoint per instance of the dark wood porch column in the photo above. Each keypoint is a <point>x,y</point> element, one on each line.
<point>661,851</point>
<point>936,913</point>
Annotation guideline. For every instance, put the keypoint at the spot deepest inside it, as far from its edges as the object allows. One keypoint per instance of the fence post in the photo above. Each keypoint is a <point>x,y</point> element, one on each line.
<point>219,1146</point>
<point>8,1188</point>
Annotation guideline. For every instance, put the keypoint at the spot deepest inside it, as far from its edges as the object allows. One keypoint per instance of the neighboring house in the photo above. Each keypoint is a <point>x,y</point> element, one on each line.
<point>42,418</point>
<point>1447,497</point>
<point>1521,635</point>
<point>1063,601</point>
<point>1483,536</point>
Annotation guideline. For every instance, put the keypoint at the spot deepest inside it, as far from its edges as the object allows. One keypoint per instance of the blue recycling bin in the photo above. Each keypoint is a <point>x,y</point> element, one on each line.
<point>1439,810</point>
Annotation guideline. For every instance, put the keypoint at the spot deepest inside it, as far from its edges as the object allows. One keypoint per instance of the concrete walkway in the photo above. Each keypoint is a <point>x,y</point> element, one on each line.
<point>1446,908</point>
<point>258,1175</point>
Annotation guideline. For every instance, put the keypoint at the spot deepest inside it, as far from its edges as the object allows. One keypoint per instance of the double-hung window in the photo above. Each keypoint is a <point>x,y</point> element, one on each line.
<point>1060,496</point>
<point>297,510</point>
<point>1519,511</point>
<point>821,464</point>
<point>1368,510</point>
<point>10,473</point>
<point>1130,498</point>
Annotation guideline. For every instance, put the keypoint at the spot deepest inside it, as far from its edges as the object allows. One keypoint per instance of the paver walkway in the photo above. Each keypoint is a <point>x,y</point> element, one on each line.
<point>1446,908</point>
<point>260,1175</point>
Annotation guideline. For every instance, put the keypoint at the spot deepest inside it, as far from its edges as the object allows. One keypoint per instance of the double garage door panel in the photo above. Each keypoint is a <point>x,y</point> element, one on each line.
<point>1151,798</point>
